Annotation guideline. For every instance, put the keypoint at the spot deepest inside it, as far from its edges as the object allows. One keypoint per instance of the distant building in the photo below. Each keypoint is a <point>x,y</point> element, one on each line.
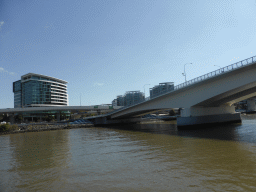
<point>161,89</point>
<point>129,98</point>
<point>114,102</point>
<point>120,100</point>
<point>34,90</point>
<point>133,97</point>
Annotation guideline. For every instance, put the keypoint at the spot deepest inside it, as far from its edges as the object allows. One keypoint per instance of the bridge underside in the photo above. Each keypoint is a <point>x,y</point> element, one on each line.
<point>230,97</point>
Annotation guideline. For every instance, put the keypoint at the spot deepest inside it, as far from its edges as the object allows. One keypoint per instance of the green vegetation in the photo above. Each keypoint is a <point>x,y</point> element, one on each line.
<point>13,127</point>
<point>7,127</point>
<point>49,118</point>
<point>4,117</point>
<point>4,127</point>
<point>18,118</point>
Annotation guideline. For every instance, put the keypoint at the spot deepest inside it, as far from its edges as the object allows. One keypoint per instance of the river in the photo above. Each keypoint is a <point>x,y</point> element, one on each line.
<point>142,157</point>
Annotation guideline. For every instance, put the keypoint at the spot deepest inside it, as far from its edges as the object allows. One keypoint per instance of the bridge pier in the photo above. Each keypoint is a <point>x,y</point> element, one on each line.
<point>251,105</point>
<point>198,116</point>
<point>58,116</point>
<point>12,119</point>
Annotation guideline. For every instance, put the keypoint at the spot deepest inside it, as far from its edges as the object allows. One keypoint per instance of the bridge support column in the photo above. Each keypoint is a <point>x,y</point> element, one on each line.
<point>251,105</point>
<point>12,120</point>
<point>100,121</point>
<point>198,116</point>
<point>58,116</point>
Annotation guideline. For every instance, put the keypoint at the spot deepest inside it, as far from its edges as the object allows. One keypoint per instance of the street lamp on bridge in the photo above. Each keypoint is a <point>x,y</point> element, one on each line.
<point>184,74</point>
<point>221,70</point>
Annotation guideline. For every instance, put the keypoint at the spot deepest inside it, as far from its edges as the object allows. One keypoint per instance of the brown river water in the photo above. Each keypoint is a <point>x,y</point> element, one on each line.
<point>153,156</point>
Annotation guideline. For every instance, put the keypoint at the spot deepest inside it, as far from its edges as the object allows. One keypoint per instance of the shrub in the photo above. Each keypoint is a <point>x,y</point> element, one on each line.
<point>4,127</point>
<point>13,127</point>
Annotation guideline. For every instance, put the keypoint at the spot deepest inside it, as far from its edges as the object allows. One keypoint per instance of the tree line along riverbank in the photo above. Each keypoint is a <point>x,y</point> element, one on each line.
<point>22,128</point>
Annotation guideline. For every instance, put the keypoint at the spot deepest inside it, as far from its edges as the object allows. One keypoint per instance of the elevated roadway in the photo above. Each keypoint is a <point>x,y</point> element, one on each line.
<point>206,99</point>
<point>98,108</point>
<point>62,108</point>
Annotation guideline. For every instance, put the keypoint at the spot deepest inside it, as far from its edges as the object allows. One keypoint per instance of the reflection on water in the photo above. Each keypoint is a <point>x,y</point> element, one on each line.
<point>32,155</point>
<point>141,157</point>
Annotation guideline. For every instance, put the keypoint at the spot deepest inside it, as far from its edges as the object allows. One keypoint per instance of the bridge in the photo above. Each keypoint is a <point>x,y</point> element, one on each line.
<point>98,108</point>
<point>206,99</point>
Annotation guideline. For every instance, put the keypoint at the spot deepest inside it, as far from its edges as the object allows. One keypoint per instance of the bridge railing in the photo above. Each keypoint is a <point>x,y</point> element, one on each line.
<point>217,72</point>
<point>212,74</point>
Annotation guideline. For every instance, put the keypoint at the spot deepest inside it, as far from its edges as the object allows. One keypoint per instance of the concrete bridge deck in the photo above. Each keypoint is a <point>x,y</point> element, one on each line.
<point>207,97</point>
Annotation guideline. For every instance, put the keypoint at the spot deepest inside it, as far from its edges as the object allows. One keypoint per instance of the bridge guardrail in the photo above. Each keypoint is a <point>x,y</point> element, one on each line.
<point>212,74</point>
<point>217,72</point>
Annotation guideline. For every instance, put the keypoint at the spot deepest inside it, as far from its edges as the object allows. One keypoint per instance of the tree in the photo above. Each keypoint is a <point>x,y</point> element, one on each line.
<point>4,127</point>
<point>18,118</point>
<point>4,117</point>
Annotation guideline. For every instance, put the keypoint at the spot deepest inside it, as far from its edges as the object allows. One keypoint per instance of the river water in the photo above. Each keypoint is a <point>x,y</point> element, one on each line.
<point>143,157</point>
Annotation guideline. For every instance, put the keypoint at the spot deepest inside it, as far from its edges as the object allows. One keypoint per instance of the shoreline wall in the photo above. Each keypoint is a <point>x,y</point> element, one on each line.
<point>45,127</point>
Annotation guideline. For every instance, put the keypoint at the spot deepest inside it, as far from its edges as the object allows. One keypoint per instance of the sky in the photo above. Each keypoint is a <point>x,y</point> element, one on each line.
<point>105,48</point>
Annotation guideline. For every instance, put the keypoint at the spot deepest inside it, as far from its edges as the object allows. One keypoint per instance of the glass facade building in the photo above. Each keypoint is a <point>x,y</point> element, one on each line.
<point>34,90</point>
<point>161,89</point>
<point>130,98</point>
<point>133,97</point>
<point>17,94</point>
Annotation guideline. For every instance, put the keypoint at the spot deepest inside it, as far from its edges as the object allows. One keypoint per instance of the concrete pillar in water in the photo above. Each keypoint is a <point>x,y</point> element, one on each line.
<point>195,116</point>
<point>251,105</point>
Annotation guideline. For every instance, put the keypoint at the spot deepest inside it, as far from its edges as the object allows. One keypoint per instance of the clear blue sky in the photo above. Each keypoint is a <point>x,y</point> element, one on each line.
<point>105,48</point>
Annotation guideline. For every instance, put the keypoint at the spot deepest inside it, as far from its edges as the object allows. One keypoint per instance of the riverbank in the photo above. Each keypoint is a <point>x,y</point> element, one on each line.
<point>23,128</point>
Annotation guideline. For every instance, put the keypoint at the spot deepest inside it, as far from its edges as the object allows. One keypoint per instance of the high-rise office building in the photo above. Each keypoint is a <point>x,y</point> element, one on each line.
<point>34,90</point>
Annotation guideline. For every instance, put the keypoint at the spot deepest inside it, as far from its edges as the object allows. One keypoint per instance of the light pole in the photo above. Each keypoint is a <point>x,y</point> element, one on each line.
<point>184,74</point>
<point>218,66</point>
<point>144,90</point>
